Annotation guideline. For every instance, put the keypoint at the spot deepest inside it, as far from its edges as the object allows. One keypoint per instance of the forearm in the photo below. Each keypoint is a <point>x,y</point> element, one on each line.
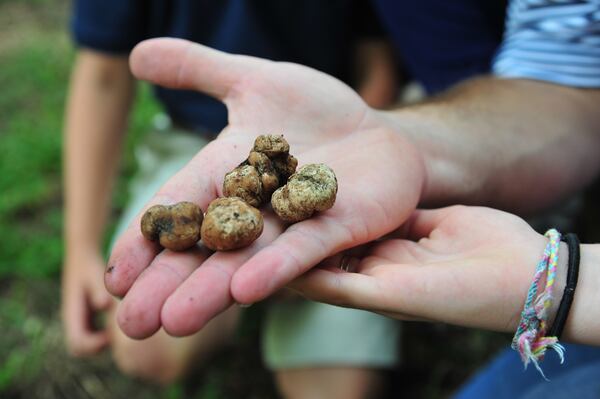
<point>100,96</point>
<point>513,144</point>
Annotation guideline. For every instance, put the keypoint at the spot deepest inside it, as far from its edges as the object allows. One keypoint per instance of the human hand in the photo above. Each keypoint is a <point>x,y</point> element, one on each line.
<point>83,297</point>
<point>380,178</point>
<point>467,266</point>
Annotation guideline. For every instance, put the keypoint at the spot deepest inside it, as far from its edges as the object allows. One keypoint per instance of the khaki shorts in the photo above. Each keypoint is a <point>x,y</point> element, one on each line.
<point>297,333</point>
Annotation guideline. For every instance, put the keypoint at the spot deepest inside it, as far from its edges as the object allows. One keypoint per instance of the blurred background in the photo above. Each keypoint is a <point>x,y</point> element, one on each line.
<point>35,58</point>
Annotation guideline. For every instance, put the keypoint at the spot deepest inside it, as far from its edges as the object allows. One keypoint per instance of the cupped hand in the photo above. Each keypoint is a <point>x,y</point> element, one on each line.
<point>83,298</point>
<point>380,178</point>
<point>467,266</point>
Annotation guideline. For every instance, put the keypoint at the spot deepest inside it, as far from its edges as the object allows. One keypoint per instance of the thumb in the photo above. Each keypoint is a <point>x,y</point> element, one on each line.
<point>182,64</point>
<point>422,222</point>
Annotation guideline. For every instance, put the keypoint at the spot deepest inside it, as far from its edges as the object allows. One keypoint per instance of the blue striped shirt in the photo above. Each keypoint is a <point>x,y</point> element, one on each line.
<point>552,40</point>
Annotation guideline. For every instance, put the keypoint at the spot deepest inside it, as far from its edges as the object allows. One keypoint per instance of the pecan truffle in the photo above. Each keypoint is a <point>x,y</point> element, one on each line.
<point>271,145</point>
<point>230,223</point>
<point>176,227</point>
<point>311,189</point>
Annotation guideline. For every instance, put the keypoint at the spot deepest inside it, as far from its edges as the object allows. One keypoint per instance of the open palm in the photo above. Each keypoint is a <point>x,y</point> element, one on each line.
<point>380,178</point>
<point>468,266</point>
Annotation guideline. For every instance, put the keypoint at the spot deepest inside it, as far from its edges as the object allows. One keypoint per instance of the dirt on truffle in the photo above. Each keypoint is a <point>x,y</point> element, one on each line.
<point>267,168</point>
<point>175,227</point>
<point>230,223</point>
<point>271,145</point>
<point>244,182</point>
<point>312,189</point>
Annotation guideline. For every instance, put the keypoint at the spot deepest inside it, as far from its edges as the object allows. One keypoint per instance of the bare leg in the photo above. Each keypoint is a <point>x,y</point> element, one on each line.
<point>330,383</point>
<point>162,358</point>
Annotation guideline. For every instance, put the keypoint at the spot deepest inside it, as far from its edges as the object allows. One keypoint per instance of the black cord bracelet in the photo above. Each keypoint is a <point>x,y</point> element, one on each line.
<point>569,292</point>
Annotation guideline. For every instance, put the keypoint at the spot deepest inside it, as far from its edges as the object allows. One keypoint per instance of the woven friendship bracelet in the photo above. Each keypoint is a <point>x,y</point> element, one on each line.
<point>530,340</point>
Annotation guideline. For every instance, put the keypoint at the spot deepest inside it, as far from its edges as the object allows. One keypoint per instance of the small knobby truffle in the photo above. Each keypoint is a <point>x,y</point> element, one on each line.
<point>176,227</point>
<point>271,145</point>
<point>267,168</point>
<point>244,182</point>
<point>311,189</point>
<point>230,223</point>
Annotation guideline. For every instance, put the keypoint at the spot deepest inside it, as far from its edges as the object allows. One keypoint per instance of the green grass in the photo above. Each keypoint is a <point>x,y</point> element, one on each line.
<point>34,79</point>
<point>30,218</point>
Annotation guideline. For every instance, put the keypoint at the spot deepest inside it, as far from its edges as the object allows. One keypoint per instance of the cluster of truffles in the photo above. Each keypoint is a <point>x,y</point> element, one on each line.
<point>268,174</point>
<point>267,168</point>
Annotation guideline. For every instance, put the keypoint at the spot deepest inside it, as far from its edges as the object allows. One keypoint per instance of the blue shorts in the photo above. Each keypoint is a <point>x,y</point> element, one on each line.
<point>504,377</point>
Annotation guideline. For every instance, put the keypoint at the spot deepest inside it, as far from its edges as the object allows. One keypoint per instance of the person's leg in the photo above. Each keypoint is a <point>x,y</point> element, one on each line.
<point>323,351</point>
<point>330,383</point>
<point>163,359</point>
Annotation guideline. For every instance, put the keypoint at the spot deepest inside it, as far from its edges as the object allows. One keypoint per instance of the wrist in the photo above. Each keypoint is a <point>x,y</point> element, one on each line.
<point>560,279</point>
<point>79,239</point>
<point>74,253</point>
<point>414,170</point>
<point>583,324</point>
<point>448,179</point>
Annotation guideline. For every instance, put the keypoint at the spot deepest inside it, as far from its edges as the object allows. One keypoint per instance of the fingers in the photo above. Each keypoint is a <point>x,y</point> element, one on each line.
<point>352,290</point>
<point>182,64</point>
<point>296,250</point>
<point>206,293</point>
<point>202,296</point>
<point>138,314</point>
<point>395,290</point>
<point>341,289</point>
<point>395,251</point>
<point>199,182</point>
<point>81,340</point>
<point>182,291</point>
<point>86,343</point>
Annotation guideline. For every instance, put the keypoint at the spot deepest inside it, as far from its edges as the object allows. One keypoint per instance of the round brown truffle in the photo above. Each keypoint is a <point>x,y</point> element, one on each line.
<point>175,227</point>
<point>230,223</point>
<point>271,145</point>
<point>312,189</point>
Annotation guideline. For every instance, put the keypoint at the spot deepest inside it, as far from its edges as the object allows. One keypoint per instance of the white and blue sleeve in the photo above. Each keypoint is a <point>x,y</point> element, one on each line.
<point>556,41</point>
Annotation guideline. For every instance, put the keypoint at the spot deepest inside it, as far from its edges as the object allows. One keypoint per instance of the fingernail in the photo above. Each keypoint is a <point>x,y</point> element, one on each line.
<point>244,305</point>
<point>349,263</point>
